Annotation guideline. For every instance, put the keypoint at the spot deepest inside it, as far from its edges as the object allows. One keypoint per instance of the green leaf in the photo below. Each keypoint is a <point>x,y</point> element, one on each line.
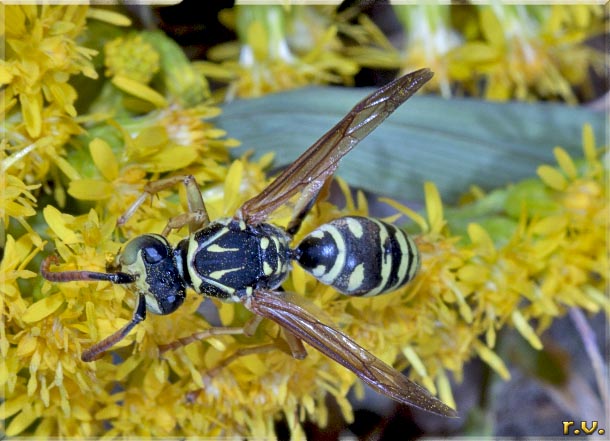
<point>454,143</point>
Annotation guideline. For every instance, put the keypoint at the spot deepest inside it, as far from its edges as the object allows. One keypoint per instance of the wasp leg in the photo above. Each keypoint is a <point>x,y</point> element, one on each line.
<point>192,395</point>
<point>268,347</point>
<point>193,196</point>
<point>194,219</point>
<point>295,344</point>
<point>305,204</point>
<point>201,335</point>
<point>248,330</point>
<point>252,325</point>
<point>97,350</point>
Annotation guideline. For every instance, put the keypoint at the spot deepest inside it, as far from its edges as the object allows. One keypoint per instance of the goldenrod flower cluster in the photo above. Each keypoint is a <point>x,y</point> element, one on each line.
<point>496,50</point>
<point>284,48</point>
<point>67,176</point>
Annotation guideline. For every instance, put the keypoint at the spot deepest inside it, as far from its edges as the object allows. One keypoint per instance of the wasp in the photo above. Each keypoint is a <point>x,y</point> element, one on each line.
<point>245,259</point>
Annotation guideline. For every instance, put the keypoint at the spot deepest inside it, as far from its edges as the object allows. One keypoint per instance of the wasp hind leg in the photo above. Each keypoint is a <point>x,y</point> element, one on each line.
<point>197,216</point>
<point>305,204</point>
<point>261,349</point>
<point>295,346</point>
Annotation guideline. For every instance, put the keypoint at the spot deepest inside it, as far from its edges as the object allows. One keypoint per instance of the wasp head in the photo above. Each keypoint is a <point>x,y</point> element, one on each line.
<point>150,260</point>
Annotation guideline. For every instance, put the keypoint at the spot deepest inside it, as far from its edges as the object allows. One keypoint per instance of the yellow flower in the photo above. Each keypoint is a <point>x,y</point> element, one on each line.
<point>530,51</point>
<point>167,140</point>
<point>429,40</point>
<point>16,199</point>
<point>130,56</point>
<point>119,185</point>
<point>173,128</point>
<point>499,51</point>
<point>279,51</point>
<point>41,55</point>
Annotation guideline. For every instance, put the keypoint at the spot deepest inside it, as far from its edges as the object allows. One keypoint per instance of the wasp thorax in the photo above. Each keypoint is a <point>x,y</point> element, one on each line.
<point>150,259</point>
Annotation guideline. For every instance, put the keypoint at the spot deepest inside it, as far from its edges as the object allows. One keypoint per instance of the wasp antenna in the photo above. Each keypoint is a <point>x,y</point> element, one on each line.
<point>71,276</point>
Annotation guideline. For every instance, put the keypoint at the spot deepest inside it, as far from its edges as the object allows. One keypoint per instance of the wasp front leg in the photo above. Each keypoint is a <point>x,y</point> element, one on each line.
<point>196,218</point>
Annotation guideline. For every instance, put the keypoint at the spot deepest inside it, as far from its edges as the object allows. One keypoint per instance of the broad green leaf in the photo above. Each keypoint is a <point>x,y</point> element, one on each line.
<point>454,143</point>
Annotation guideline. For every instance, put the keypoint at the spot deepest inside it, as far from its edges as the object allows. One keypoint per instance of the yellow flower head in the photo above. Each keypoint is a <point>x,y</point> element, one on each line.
<point>41,56</point>
<point>132,57</point>
<point>280,51</point>
<point>531,51</point>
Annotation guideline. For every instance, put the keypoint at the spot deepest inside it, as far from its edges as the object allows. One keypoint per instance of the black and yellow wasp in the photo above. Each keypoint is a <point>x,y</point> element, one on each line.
<point>244,259</point>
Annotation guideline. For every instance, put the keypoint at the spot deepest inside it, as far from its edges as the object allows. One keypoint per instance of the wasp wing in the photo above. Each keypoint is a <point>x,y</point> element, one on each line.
<point>320,160</point>
<point>378,375</point>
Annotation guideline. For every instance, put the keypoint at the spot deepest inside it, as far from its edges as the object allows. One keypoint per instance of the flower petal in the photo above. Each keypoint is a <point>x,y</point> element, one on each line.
<point>565,162</point>
<point>108,16</point>
<point>526,330</point>
<point>90,190</point>
<point>139,90</point>
<point>492,359</point>
<point>43,308</point>
<point>434,207</point>
<point>588,143</point>
<point>21,422</point>
<point>56,221</point>
<point>552,177</point>
<point>104,159</point>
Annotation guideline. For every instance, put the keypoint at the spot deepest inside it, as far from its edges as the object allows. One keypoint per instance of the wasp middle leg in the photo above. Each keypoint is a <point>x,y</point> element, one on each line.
<point>248,330</point>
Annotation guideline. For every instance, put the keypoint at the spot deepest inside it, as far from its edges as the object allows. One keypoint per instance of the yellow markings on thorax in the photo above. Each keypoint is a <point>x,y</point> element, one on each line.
<point>267,270</point>
<point>276,242</point>
<point>215,248</point>
<point>264,243</point>
<point>194,247</point>
<point>217,284</point>
<point>218,274</point>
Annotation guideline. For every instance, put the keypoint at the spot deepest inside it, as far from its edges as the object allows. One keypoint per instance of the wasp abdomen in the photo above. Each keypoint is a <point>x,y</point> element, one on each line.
<point>359,256</point>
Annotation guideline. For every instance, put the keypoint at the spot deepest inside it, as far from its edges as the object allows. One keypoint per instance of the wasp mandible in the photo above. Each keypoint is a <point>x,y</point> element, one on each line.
<point>245,259</point>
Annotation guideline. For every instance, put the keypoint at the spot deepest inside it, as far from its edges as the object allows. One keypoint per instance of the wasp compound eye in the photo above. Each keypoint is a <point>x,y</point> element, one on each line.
<point>154,254</point>
<point>152,248</point>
